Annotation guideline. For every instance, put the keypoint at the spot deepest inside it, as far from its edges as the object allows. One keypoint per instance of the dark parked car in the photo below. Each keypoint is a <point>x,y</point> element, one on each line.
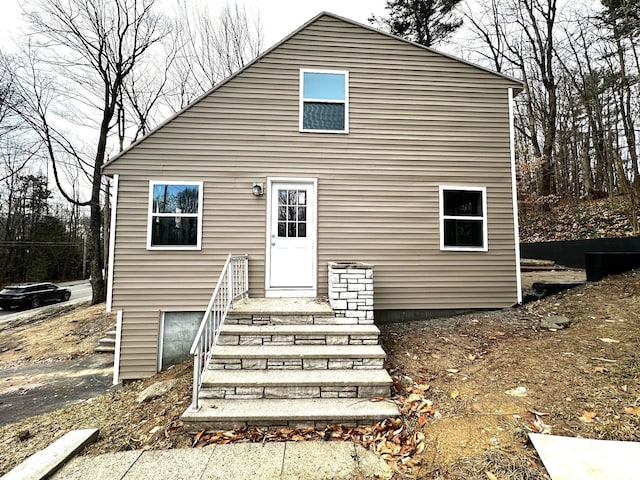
<point>32,295</point>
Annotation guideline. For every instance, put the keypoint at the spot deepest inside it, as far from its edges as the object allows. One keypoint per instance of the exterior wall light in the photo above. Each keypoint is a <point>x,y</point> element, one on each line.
<point>257,189</point>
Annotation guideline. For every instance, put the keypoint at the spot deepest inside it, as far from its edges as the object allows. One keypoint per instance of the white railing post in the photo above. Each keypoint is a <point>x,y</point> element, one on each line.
<point>246,275</point>
<point>196,382</point>
<point>230,282</point>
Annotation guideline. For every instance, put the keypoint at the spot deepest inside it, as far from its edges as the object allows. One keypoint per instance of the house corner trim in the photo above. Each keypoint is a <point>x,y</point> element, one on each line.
<point>514,191</point>
<point>112,241</point>
<point>116,354</point>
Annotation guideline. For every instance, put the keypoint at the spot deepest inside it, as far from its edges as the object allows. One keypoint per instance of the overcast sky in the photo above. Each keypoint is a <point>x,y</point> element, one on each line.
<point>279,17</point>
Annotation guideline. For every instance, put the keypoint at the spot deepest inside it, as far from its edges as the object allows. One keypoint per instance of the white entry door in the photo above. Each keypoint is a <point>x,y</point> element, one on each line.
<point>291,241</point>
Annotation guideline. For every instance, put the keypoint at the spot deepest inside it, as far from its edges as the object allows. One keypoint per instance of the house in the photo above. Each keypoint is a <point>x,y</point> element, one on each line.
<point>339,144</point>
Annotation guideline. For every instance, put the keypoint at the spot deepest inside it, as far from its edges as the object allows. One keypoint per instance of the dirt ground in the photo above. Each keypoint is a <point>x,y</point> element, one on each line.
<point>583,380</point>
<point>483,381</point>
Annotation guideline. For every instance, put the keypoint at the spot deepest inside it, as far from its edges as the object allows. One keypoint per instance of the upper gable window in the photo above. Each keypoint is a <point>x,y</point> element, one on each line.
<point>463,218</point>
<point>324,101</point>
<point>175,215</point>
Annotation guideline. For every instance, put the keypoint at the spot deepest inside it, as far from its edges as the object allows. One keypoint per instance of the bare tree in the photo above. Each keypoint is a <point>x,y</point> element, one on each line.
<point>94,45</point>
<point>206,49</point>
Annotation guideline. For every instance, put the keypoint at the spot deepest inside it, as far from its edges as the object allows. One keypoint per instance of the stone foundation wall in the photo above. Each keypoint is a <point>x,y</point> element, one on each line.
<point>351,291</point>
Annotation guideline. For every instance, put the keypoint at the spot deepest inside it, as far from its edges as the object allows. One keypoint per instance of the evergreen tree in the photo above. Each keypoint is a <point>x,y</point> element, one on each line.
<point>426,22</point>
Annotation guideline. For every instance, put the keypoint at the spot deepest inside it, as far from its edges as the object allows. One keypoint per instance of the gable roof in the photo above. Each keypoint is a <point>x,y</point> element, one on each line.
<point>516,83</point>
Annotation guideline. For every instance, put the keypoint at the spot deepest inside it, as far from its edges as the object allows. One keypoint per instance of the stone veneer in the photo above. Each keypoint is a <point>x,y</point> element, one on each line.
<point>351,291</point>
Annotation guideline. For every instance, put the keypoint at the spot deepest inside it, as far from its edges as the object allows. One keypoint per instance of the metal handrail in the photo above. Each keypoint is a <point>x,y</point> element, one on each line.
<point>232,283</point>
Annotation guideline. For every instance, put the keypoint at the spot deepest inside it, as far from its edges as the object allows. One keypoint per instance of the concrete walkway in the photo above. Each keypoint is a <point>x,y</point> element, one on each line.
<point>276,460</point>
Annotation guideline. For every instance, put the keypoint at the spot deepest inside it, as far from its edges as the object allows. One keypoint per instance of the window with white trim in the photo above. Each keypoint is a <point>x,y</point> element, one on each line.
<point>175,215</point>
<point>324,101</point>
<point>463,218</point>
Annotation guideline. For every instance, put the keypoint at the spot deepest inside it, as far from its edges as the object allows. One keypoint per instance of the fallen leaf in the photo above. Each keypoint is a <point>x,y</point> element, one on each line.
<point>455,394</point>
<point>452,370</point>
<point>632,411</point>
<point>588,417</point>
<point>609,340</point>
<point>517,392</point>
<point>490,476</point>
<point>600,370</point>
<point>414,397</point>
<point>422,419</point>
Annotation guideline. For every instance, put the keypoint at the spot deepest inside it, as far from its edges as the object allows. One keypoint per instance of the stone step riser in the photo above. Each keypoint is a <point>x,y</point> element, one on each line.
<point>297,339</point>
<point>284,392</point>
<point>283,319</point>
<point>295,363</point>
<point>194,426</point>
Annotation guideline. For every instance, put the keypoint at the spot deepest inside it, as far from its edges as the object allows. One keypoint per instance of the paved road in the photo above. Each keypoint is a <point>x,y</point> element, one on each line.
<point>80,292</point>
<point>32,389</point>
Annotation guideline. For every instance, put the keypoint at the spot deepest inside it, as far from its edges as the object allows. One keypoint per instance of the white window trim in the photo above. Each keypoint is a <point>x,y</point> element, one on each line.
<point>444,217</point>
<point>151,214</point>
<point>322,100</point>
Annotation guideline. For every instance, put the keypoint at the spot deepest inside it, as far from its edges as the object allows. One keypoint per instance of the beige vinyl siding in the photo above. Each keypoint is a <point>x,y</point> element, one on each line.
<point>417,120</point>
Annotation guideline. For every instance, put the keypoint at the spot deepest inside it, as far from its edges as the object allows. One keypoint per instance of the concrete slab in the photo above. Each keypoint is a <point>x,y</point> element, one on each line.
<point>110,466</point>
<point>245,461</point>
<point>370,464</point>
<point>529,278</point>
<point>240,461</point>
<point>568,458</point>
<point>178,464</point>
<point>267,306</point>
<point>41,464</point>
<point>319,460</point>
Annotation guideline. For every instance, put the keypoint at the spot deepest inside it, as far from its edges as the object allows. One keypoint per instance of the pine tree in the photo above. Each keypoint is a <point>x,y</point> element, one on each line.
<point>426,22</point>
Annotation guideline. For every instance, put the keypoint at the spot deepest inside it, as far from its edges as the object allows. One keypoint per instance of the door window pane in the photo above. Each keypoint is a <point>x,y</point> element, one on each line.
<point>291,216</point>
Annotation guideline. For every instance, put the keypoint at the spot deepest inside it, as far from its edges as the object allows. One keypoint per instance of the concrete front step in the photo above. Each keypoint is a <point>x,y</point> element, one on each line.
<point>107,344</point>
<point>295,413</point>
<point>297,357</point>
<point>288,334</point>
<point>254,384</point>
<point>284,311</point>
